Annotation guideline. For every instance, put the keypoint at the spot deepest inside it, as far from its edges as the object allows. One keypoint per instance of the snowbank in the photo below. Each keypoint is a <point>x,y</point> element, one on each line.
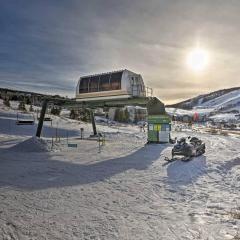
<point>33,144</point>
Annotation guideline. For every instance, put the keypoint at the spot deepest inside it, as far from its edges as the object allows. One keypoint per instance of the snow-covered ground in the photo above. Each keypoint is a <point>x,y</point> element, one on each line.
<point>123,190</point>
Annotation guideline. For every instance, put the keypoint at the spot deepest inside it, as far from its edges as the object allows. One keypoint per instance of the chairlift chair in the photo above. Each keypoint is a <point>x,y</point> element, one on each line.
<point>25,121</point>
<point>46,118</point>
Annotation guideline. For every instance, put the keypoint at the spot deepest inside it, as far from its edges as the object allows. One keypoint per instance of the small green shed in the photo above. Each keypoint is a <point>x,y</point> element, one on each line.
<point>159,127</point>
<point>159,123</point>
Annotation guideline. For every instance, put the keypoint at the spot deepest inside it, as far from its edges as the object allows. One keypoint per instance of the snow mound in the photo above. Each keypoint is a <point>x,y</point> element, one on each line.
<point>33,144</point>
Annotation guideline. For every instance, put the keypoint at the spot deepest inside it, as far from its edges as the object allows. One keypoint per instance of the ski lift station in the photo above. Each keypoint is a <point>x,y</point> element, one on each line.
<point>122,84</point>
<point>117,89</point>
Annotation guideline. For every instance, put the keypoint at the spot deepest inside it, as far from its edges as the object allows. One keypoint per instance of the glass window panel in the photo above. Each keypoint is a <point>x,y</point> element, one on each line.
<point>116,81</point>
<point>93,84</point>
<point>83,87</point>
<point>104,82</point>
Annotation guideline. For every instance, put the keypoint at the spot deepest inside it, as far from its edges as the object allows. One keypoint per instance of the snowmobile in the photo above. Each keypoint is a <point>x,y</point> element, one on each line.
<point>194,147</point>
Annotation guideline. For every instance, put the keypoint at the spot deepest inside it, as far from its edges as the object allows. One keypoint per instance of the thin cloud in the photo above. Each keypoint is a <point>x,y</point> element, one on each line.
<point>52,43</point>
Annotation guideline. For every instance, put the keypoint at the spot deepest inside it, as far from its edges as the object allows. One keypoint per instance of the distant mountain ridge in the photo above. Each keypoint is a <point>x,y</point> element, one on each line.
<point>224,100</point>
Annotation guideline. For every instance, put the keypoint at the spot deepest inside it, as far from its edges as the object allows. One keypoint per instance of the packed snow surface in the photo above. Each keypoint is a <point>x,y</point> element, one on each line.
<point>122,190</point>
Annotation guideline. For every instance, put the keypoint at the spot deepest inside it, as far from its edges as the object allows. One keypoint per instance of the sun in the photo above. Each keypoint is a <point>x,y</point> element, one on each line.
<point>198,59</point>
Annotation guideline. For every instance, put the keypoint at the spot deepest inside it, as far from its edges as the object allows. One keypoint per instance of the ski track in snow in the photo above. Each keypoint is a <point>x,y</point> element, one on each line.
<point>121,192</point>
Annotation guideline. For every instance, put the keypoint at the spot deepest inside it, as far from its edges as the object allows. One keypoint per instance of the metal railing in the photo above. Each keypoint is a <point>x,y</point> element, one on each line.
<point>140,91</point>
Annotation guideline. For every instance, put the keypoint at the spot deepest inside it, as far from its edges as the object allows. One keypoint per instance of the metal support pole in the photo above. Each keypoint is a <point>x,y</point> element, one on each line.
<point>41,119</point>
<point>93,123</point>
<point>82,130</point>
<point>99,144</point>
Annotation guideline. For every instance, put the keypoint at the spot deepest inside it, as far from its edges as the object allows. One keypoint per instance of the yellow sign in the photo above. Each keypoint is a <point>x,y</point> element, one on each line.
<point>157,127</point>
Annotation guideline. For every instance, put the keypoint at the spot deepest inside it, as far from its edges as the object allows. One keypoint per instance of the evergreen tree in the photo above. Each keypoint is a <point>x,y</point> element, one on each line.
<point>14,98</point>
<point>6,102</point>
<point>121,115</point>
<point>85,116</point>
<point>31,108</point>
<point>126,113</point>
<point>116,117</point>
<point>28,101</point>
<point>72,114</point>
<point>56,111</point>
<point>22,106</point>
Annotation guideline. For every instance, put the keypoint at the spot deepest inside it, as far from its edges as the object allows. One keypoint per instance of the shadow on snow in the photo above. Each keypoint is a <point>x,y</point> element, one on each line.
<point>8,126</point>
<point>39,171</point>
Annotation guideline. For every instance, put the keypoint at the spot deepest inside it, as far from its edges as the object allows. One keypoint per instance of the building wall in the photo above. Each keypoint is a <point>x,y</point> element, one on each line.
<point>136,114</point>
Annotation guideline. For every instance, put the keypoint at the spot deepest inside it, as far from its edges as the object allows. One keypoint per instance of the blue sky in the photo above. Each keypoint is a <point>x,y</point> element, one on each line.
<point>46,45</point>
